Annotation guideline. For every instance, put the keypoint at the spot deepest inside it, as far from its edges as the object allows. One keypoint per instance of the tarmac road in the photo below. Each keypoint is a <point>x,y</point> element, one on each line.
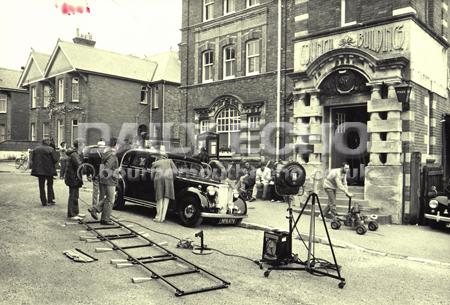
<point>34,271</point>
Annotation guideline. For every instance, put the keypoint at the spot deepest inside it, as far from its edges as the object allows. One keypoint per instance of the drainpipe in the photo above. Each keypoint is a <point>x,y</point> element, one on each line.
<point>162,110</point>
<point>277,137</point>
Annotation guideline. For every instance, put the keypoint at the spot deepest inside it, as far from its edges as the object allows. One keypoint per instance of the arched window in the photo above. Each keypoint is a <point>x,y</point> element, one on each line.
<point>75,89</point>
<point>228,123</point>
<point>229,60</point>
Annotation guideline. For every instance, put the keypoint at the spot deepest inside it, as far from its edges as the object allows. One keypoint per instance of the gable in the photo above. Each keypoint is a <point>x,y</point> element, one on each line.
<point>59,64</point>
<point>33,73</point>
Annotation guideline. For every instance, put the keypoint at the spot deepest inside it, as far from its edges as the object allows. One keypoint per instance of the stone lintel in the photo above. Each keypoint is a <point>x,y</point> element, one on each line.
<point>380,105</point>
<point>301,111</point>
<point>385,146</point>
<point>384,125</point>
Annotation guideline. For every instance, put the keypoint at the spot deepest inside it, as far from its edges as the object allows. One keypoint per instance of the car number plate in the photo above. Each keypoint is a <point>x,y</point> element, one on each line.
<point>227,221</point>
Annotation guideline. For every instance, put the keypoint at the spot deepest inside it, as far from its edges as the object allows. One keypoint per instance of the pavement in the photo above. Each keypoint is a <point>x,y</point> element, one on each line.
<point>410,242</point>
<point>416,243</point>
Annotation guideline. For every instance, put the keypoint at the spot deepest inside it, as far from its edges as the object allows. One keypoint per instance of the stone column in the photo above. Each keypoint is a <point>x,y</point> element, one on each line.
<point>383,181</point>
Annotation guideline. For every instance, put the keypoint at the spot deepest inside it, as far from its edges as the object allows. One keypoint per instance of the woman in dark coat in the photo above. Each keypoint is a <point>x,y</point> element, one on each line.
<point>163,171</point>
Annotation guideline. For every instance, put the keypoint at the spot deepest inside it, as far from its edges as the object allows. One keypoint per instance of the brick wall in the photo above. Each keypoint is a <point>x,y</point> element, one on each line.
<point>19,115</point>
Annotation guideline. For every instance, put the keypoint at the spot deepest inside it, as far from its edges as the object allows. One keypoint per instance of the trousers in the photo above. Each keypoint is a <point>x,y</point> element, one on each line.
<point>50,194</point>
<point>331,206</point>
<point>72,206</point>
<point>106,202</point>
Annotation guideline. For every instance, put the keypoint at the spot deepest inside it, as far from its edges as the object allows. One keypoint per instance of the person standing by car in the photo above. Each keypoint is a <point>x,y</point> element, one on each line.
<point>43,166</point>
<point>93,156</point>
<point>108,181</point>
<point>62,159</point>
<point>74,180</point>
<point>336,179</point>
<point>162,172</point>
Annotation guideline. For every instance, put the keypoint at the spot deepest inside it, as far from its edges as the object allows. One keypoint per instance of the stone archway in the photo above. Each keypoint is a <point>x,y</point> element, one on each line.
<point>384,126</point>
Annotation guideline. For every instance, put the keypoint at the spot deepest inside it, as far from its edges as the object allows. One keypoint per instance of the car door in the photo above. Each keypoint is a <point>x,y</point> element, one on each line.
<point>146,189</point>
<point>135,173</point>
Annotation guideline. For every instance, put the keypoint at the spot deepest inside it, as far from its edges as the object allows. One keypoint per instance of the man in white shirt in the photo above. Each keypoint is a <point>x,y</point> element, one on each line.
<point>262,179</point>
<point>336,179</point>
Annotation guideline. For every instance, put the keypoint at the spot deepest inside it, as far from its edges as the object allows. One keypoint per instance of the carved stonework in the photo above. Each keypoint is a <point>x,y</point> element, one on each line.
<point>344,82</point>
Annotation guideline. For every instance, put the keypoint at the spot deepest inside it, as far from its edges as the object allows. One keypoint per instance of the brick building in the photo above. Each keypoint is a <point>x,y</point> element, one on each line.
<point>13,107</point>
<point>349,58</point>
<point>118,95</point>
<point>229,72</point>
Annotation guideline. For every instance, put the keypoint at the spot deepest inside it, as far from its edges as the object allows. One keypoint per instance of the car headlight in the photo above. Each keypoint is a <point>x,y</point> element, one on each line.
<point>235,194</point>
<point>433,203</point>
<point>211,190</point>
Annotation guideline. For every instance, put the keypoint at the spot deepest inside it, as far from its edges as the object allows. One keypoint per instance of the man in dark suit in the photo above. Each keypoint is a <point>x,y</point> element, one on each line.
<point>43,161</point>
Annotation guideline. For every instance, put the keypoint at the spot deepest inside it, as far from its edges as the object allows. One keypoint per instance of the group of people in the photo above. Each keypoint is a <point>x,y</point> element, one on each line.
<point>43,163</point>
<point>100,164</point>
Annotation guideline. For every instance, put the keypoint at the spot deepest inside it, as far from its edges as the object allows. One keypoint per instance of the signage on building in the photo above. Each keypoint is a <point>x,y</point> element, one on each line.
<point>382,40</point>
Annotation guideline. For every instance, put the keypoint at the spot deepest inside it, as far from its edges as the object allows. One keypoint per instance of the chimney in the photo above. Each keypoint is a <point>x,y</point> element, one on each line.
<point>84,39</point>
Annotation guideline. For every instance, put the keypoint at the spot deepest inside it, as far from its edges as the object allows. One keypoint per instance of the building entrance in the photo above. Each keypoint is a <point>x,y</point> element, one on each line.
<point>348,140</point>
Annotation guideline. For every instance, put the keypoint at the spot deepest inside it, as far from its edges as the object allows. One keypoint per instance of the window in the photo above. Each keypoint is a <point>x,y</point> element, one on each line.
<point>3,103</point>
<point>2,133</point>
<point>59,132</point>
<point>228,128</point>
<point>252,63</point>
<point>74,130</point>
<point>144,95</point>
<point>155,100</point>
<point>229,59</point>
<point>253,122</point>
<point>228,6</point>
<point>33,97</point>
<point>349,10</point>
<point>75,89</point>
<point>61,90</point>
<point>251,3</point>
<point>45,131</point>
<point>46,95</point>
<point>33,131</point>
<point>208,64</point>
<point>204,126</point>
<point>208,10</point>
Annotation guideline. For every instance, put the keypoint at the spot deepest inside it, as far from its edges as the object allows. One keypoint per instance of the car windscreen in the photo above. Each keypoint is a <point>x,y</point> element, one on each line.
<point>189,169</point>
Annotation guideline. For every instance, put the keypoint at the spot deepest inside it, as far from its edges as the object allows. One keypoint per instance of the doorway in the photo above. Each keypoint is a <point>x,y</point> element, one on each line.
<point>348,140</point>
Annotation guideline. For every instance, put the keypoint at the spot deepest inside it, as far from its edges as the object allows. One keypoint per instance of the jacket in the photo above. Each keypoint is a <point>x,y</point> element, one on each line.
<point>109,168</point>
<point>162,173</point>
<point>43,160</point>
<point>336,179</point>
<point>72,177</point>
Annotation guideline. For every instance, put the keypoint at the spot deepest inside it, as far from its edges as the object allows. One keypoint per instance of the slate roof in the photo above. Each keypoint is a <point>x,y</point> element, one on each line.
<point>41,60</point>
<point>169,66</point>
<point>91,59</point>
<point>9,78</point>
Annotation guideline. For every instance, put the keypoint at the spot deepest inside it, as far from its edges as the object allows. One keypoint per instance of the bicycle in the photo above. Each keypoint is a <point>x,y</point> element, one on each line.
<point>22,161</point>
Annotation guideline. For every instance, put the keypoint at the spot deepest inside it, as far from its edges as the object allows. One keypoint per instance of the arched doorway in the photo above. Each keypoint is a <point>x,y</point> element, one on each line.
<point>344,95</point>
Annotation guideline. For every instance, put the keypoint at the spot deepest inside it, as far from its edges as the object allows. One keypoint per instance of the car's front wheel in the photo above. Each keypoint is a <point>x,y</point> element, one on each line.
<point>189,212</point>
<point>119,201</point>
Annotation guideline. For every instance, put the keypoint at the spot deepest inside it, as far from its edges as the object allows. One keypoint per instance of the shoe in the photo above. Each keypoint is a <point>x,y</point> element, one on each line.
<point>75,218</point>
<point>81,215</point>
<point>93,213</point>
<point>51,202</point>
<point>272,200</point>
<point>252,199</point>
<point>106,222</point>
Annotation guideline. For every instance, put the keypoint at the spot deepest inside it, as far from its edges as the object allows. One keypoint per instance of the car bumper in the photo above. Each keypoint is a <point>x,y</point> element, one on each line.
<point>437,217</point>
<point>223,216</point>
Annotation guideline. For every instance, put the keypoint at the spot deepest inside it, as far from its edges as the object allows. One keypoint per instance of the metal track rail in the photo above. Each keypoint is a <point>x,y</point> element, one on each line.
<point>145,261</point>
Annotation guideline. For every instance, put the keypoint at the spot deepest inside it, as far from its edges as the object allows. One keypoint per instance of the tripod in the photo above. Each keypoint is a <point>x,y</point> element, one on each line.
<point>309,266</point>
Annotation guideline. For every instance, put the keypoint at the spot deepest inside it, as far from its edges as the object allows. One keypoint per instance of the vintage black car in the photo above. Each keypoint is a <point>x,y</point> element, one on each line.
<point>437,211</point>
<point>197,195</point>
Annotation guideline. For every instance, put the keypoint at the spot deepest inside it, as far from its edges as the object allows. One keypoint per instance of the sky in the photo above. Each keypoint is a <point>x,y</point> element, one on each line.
<point>137,27</point>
